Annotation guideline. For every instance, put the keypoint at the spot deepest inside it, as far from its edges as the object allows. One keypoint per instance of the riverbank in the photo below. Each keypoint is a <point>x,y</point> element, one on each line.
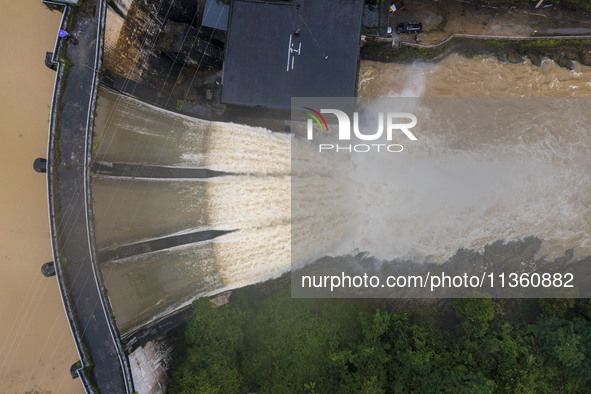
<point>444,18</point>
<point>566,52</point>
<point>512,32</point>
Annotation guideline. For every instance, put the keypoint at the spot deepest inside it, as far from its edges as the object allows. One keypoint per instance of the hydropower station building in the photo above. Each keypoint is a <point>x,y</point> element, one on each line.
<point>311,49</point>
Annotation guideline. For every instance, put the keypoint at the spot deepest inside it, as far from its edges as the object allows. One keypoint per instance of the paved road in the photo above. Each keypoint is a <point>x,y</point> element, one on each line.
<point>446,18</point>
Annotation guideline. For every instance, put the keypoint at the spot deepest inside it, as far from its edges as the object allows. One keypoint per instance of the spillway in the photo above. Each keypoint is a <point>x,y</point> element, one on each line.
<point>279,203</point>
<point>251,201</point>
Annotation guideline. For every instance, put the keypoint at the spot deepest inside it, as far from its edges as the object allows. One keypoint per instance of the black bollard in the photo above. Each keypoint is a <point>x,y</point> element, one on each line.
<point>40,165</point>
<point>74,368</point>
<point>48,269</point>
<point>48,61</point>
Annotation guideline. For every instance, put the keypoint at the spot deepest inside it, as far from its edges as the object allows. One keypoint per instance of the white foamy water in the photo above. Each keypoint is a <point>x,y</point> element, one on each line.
<point>132,132</point>
<point>481,171</point>
<point>504,173</point>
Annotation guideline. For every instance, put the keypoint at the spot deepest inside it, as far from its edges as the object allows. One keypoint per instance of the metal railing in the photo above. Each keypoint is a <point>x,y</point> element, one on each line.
<point>125,367</point>
<point>51,155</point>
<point>66,301</point>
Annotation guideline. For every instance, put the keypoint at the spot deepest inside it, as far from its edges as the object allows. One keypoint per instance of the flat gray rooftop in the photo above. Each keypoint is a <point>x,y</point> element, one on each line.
<point>216,15</point>
<point>279,50</point>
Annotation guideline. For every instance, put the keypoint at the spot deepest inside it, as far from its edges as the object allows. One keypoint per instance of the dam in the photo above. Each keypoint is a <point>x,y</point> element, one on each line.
<point>250,202</point>
<point>178,207</point>
<point>427,207</point>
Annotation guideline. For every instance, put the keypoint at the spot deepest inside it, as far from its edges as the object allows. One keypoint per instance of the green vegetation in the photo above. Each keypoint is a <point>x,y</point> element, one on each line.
<point>538,43</point>
<point>555,42</point>
<point>496,42</point>
<point>95,145</point>
<point>70,22</point>
<point>285,345</point>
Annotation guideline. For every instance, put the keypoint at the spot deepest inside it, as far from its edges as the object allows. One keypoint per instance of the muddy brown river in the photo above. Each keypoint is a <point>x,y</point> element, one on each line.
<point>481,76</point>
<point>36,347</point>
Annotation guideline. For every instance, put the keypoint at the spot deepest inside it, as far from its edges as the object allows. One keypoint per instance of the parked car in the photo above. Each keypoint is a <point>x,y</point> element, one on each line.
<point>409,27</point>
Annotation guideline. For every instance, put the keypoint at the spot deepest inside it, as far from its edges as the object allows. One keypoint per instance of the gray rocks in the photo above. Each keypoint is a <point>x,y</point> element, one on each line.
<point>564,61</point>
<point>535,58</point>
<point>514,57</point>
<point>510,57</point>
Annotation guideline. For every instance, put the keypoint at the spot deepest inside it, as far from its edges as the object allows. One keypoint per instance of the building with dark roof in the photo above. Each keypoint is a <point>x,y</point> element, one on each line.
<point>278,50</point>
<point>216,15</point>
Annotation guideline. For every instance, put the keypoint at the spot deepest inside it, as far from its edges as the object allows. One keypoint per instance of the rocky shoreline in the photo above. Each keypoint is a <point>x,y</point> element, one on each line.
<point>564,56</point>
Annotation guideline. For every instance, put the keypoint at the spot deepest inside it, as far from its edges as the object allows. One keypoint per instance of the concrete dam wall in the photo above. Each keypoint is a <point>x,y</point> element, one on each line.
<point>186,207</point>
<point>250,207</point>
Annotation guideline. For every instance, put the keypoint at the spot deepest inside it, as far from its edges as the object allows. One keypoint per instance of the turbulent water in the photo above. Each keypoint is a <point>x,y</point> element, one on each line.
<point>481,170</point>
<point>481,76</point>
<point>463,186</point>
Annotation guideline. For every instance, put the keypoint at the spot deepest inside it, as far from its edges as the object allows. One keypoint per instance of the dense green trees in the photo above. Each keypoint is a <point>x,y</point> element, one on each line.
<point>214,339</point>
<point>279,344</point>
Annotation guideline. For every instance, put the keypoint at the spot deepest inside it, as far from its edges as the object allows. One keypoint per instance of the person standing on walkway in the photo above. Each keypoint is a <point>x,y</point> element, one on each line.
<point>64,34</point>
<point>67,36</point>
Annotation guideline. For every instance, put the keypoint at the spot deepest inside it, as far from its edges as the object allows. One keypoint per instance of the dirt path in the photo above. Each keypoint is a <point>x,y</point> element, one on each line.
<point>444,18</point>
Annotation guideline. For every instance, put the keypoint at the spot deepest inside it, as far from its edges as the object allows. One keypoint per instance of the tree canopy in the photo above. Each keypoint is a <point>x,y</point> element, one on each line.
<point>280,344</point>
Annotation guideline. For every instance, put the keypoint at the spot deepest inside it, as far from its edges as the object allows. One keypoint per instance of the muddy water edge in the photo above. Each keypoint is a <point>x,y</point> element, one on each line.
<point>36,346</point>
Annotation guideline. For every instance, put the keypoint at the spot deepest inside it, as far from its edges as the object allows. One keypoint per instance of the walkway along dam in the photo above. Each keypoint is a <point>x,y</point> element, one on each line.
<point>103,363</point>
